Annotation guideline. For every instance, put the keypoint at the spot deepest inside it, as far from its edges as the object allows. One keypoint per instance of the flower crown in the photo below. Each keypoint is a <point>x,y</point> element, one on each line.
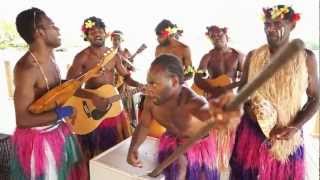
<point>117,33</point>
<point>170,31</point>
<point>87,25</point>
<point>282,12</point>
<point>215,29</point>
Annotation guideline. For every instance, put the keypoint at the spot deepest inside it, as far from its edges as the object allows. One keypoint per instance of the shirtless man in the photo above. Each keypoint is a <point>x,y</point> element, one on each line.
<point>43,145</point>
<point>270,132</point>
<point>112,130</point>
<point>128,102</point>
<point>221,60</point>
<point>182,113</point>
<point>167,34</point>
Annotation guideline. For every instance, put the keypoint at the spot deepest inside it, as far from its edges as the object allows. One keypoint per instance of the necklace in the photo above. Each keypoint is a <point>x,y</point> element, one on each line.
<point>42,71</point>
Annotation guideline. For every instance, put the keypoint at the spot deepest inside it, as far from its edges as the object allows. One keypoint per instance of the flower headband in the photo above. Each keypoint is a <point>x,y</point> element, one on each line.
<point>282,12</point>
<point>87,25</point>
<point>214,30</point>
<point>117,33</point>
<point>170,31</point>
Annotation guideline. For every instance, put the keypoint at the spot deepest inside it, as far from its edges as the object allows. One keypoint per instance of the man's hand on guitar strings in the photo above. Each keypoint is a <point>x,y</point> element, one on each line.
<point>99,102</point>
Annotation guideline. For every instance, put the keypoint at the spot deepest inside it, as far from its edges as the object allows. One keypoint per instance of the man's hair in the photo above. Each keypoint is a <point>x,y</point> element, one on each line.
<point>95,22</point>
<point>116,33</point>
<point>27,22</point>
<point>171,65</point>
<point>163,25</point>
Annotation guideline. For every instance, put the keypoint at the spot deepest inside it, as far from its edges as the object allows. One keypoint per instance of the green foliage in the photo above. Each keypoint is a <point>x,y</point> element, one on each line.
<point>9,37</point>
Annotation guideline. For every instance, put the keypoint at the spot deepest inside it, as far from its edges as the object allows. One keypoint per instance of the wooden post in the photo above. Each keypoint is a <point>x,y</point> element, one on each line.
<point>9,78</point>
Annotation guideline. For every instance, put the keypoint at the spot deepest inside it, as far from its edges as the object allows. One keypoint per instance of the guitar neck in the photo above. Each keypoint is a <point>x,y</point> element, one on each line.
<point>123,95</point>
<point>140,49</point>
<point>108,56</point>
<point>133,56</point>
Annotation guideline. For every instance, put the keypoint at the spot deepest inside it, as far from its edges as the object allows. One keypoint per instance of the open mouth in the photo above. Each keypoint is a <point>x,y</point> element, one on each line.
<point>98,38</point>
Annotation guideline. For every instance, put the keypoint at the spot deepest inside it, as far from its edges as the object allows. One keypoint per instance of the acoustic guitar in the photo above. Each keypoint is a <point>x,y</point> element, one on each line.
<point>220,81</point>
<point>60,94</point>
<point>128,63</point>
<point>88,117</point>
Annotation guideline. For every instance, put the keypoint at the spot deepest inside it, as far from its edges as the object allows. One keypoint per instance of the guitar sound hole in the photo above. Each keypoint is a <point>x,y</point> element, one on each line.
<point>98,114</point>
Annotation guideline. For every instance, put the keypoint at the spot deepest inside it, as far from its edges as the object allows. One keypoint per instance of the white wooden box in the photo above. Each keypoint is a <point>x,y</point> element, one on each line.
<point>112,164</point>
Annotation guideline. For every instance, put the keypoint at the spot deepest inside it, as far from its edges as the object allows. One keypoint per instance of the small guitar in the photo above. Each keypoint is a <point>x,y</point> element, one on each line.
<point>88,117</point>
<point>139,50</point>
<point>220,81</point>
<point>128,63</point>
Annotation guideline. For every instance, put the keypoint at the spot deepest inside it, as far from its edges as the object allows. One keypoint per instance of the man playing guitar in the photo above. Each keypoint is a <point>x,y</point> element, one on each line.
<point>222,66</point>
<point>129,104</point>
<point>111,130</point>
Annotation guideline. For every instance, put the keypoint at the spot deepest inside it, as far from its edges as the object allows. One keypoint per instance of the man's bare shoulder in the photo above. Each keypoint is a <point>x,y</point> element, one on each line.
<point>25,72</point>
<point>159,47</point>
<point>237,52</point>
<point>25,65</point>
<point>192,99</point>
<point>182,45</point>
<point>310,54</point>
<point>311,59</point>
<point>82,55</point>
<point>207,55</point>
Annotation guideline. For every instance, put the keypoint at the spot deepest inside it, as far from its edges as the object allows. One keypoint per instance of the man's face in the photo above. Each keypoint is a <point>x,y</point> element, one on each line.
<point>116,40</point>
<point>160,85</point>
<point>277,31</point>
<point>49,32</point>
<point>218,39</point>
<point>96,36</point>
<point>163,40</point>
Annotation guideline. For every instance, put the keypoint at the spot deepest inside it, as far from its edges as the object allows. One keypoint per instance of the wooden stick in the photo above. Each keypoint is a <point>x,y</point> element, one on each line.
<point>277,61</point>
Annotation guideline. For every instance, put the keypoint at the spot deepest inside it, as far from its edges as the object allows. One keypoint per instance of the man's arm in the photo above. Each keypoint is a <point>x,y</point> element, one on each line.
<point>245,72</point>
<point>140,134</point>
<point>312,105</point>
<point>239,72</point>
<point>309,108</point>
<point>124,72</point>
<point>157,53</point>
<point>24,95</point>
<point>240,65</point>
<point>199,107</point>
<point>187,57</point>
<point>187,63</point>
<point>76,70</point>
<point>198,79</point>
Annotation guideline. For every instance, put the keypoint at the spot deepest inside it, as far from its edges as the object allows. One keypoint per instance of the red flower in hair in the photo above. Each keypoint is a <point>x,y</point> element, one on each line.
<point>83,28</point>
<point>295,17</point>
<point>165,33</point>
